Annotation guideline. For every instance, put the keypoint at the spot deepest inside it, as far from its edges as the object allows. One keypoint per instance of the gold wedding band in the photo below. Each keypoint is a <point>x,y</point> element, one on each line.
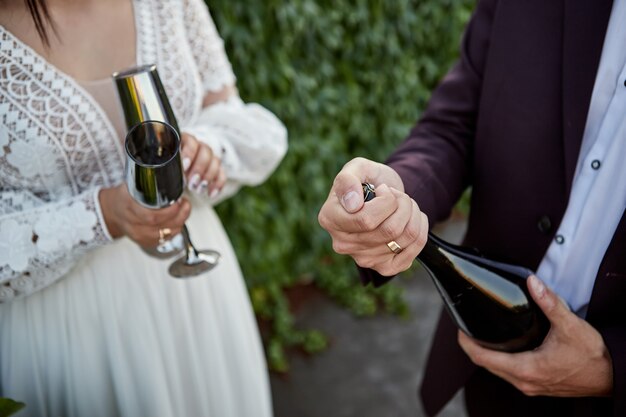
<point>164,234</point>
<point>395,248</point>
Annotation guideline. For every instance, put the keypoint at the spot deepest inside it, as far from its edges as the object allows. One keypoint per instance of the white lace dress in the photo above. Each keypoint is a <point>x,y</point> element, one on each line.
<point>95,327</point>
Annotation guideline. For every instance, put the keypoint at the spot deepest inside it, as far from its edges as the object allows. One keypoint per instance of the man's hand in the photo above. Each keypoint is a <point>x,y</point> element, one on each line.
<point>573,360</point>
<point>364,230</point>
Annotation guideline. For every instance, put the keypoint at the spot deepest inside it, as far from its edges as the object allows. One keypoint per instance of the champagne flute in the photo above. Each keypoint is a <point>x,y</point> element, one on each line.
<point>142,97</point>
<point>155,179</point>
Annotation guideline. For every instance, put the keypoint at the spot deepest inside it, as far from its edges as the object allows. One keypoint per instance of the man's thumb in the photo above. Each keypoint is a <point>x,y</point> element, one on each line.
<point>352,201</point>
<point>550,303</point>
<point>349,190</point>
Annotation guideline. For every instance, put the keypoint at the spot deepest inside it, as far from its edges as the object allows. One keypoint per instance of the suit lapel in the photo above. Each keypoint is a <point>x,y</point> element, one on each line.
<point>585,23</point>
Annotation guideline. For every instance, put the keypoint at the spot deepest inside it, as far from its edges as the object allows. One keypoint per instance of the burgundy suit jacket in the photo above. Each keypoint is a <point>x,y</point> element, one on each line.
<point>508,120</point>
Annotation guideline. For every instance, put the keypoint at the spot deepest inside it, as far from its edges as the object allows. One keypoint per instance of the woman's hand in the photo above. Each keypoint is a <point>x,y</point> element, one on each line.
<point>202,168</point>
<point>125,217</point>
<point>573,360</point>
<point>387,233</point>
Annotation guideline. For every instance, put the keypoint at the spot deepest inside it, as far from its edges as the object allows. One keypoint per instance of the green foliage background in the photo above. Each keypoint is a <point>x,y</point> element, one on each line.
<point>348,78</point>
<point>9,407</point>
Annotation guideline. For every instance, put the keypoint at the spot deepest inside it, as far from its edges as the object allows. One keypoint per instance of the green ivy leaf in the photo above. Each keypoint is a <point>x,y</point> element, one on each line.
<point>9,407</point>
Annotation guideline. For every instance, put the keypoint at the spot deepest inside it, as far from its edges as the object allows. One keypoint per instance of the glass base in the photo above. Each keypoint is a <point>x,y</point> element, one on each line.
<point>191,265</point>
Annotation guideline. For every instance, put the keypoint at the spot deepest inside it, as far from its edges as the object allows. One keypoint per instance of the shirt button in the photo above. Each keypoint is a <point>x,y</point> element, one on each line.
<point>595,164</point>
<point>559,239</point>
<point>544,224</point>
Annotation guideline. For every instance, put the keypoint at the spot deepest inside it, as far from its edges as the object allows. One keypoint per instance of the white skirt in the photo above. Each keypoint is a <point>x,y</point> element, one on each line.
<point>118,336</point>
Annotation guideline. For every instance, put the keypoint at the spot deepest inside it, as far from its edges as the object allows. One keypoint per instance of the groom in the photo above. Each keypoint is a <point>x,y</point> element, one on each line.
<point>533,118</point>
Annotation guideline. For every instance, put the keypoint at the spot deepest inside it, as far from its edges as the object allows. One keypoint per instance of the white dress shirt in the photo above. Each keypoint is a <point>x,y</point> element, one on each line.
<point>598,197</point>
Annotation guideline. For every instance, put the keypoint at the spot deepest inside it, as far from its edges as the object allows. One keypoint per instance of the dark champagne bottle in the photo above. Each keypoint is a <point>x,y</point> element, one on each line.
<point>488,300</point>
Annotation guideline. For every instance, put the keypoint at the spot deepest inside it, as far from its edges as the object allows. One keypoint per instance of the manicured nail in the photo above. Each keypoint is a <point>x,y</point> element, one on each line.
<point>201,188</point>
<point>186,164</point>
<point>214,193</point>
<point>537,286</point>
<point>193,182</point>
<point>350,201</point>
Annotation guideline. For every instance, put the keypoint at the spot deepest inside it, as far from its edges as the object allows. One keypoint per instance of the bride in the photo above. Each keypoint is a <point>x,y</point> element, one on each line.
<point>90,325</point>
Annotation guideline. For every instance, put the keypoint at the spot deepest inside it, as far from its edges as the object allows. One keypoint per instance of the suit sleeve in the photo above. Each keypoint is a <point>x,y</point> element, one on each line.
<point>435,160</point>
<point>615,340</point>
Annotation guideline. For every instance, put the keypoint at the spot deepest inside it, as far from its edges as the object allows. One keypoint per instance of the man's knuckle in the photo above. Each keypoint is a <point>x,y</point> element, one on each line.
<point>412,232</point>
<point>365,262</point>
<point>422,235</point>
<point>421,239</point>
<point>356,161</point>
<point>384,270</point>
<point>364,222</point>
<point>322,219</point>
<point>387,270</point>
<point>340,247</point>
<point>390,231</point>
<point>406,264</point>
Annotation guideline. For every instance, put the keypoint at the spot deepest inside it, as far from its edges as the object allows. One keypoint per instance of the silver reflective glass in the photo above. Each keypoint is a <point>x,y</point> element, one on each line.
<point>154,171</point>
<point>143,97</point>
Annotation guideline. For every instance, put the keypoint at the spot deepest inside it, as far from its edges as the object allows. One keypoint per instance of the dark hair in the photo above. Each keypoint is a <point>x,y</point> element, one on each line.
<point>41,16</point>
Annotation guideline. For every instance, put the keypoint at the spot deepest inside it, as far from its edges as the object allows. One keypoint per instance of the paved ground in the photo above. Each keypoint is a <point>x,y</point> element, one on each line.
<point>373,365</point>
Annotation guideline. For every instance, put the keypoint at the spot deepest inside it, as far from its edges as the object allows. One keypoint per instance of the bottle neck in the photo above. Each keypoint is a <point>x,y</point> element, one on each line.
<point>431,251</point>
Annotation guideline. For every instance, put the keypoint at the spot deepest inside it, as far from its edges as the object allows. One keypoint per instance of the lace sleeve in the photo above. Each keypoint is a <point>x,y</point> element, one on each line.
<point>250,140</point>
<point>207,47</point>
<point>40,241</point>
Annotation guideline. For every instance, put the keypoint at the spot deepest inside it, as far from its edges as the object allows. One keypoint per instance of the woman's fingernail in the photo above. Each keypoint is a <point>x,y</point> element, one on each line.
<point>186,164</point>
<point>537,286</point>
<point>201,188</point>
<point>193,182</point>
<point>214,193</point>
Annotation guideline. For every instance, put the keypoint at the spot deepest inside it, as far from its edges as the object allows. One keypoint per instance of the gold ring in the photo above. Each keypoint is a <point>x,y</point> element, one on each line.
<point>395,248</point>
<point>164,234</point>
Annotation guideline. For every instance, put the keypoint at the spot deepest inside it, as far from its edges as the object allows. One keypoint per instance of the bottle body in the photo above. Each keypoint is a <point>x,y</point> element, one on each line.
<point>488,300</point>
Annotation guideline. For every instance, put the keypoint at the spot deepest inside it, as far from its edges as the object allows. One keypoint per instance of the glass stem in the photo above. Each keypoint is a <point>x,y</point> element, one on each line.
<point>190,250</point>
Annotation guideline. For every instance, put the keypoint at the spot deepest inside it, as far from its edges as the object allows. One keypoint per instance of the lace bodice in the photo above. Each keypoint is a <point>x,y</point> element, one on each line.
<point>58,148</point>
